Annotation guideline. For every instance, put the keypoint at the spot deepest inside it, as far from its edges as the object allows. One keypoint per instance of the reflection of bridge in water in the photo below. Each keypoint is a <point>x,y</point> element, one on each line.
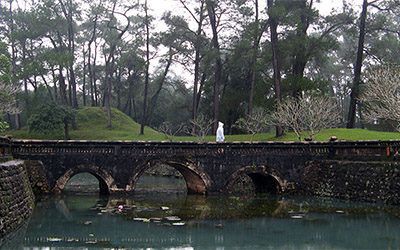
<point>273,167</point>
<point>50,228</point>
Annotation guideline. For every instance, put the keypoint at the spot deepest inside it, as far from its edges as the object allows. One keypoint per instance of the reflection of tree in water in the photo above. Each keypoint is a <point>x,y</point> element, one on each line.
<point>199,207</point>
<point>161,178</point>
<point>161,169</point>
<point>200,214</point>
<point>243,186</point>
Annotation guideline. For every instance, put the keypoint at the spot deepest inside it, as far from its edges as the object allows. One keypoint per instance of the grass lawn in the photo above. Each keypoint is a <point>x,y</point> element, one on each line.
<point>92,122</point>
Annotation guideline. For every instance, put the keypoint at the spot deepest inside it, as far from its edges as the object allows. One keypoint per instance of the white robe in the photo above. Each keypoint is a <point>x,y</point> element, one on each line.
<point>220,132</point>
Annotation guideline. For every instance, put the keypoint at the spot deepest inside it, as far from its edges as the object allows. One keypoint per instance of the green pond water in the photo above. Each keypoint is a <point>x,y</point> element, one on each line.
<point>166,218</point>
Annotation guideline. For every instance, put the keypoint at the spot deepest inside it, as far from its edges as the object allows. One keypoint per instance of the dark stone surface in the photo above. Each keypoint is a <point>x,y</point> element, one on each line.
<point>353,180</point>
<point>16,197</point>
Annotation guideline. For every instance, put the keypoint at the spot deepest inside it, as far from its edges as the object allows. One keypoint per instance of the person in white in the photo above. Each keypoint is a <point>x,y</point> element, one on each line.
<point>220,132</point>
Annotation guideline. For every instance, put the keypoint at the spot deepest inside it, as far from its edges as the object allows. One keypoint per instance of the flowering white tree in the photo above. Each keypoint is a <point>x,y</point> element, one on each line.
<point>200,127</point>
<point>7,91</point>
<point>7,99</point>
<point>381,94</point>
<point>307,115</point>
<point>254,123</point>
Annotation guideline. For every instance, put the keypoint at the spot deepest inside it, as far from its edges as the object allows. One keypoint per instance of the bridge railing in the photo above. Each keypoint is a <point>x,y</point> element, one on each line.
<point>340,149</point>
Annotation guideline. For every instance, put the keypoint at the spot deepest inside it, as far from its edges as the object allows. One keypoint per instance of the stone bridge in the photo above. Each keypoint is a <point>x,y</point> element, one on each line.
<point>275,167</point>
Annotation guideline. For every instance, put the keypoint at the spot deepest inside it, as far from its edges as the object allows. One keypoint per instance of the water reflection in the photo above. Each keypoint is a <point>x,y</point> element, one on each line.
<point>165,217</point>
<point>209,223</point>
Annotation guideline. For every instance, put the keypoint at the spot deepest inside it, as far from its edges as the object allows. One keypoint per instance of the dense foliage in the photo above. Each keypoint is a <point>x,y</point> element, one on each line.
<point>51,119</point>
<point>217,60</point>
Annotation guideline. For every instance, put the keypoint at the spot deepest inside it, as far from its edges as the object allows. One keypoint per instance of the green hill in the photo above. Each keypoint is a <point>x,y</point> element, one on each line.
<point>91,125</point>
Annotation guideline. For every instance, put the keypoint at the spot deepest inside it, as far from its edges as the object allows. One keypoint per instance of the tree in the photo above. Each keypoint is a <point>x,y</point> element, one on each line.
<point>147,20</point>
<point>276,64</point>
<point>212,15</point>
<point>170,130</point>
<point>254,123</point>
<point>381,94</point>
<point>357,68</point>
<point>387,6</point>
<point>197,40</point>
<point>257,34</point>
<point>115,34</point>
<point>202,126</point>
<point>8,91</point>
<point>51,118</point>
<point>308,114</point>
<point>69,9</point>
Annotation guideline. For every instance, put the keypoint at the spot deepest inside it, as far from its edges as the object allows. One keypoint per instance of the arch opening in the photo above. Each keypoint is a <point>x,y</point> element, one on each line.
<point>87,176</point>
<point>195,180</point>
<point>264,184</point>
<point>161,178</point>
<point>86,182</point>
<point>254,180</point>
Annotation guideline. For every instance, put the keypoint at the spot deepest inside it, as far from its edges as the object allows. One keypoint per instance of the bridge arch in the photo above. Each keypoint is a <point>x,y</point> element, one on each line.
<point>106,181</point>
<point>197,180</point>
<point>265,180</point>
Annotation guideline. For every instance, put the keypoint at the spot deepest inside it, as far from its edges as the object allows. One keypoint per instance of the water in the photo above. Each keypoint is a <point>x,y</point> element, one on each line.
<point>88,221</point>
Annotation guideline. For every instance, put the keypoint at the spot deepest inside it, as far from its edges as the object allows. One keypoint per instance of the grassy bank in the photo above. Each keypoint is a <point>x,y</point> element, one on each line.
<point>91,125</point>
<point>92,122</point>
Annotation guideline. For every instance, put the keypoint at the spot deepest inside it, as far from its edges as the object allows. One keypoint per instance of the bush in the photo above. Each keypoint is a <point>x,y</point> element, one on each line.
<point>3,126</point>
<point>51,118</point>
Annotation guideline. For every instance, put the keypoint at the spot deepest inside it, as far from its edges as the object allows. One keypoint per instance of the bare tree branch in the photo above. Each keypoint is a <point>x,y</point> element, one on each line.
<point>381,94</point>
<point>308,114</point>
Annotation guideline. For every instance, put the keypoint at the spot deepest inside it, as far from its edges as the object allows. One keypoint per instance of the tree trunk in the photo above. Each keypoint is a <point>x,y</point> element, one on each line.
<point>26,92</point>
<point>118,88</point>
<point>218,62</point>
<point>92,80</point>
<point>91,86</point>
<point>300,57</point>
<point>55,91</point>
<point>107,93</point>
<point>201,87</point>
<point>129,99</point>
<point>351,118</point>
<point>154,98</point>
<point>197,62</point>
<point>68,14</point>
<point>84,77</point>
<point>273,24</point>
<point>69,88</point>
<point>146,81</point>
<point>96,100</point>
<point>63,87</point>
<point>254,59</point>
<point>110,61</point>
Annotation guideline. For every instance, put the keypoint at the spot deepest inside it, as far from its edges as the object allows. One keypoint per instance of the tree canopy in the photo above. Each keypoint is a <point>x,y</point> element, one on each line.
<point>220,60</point>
